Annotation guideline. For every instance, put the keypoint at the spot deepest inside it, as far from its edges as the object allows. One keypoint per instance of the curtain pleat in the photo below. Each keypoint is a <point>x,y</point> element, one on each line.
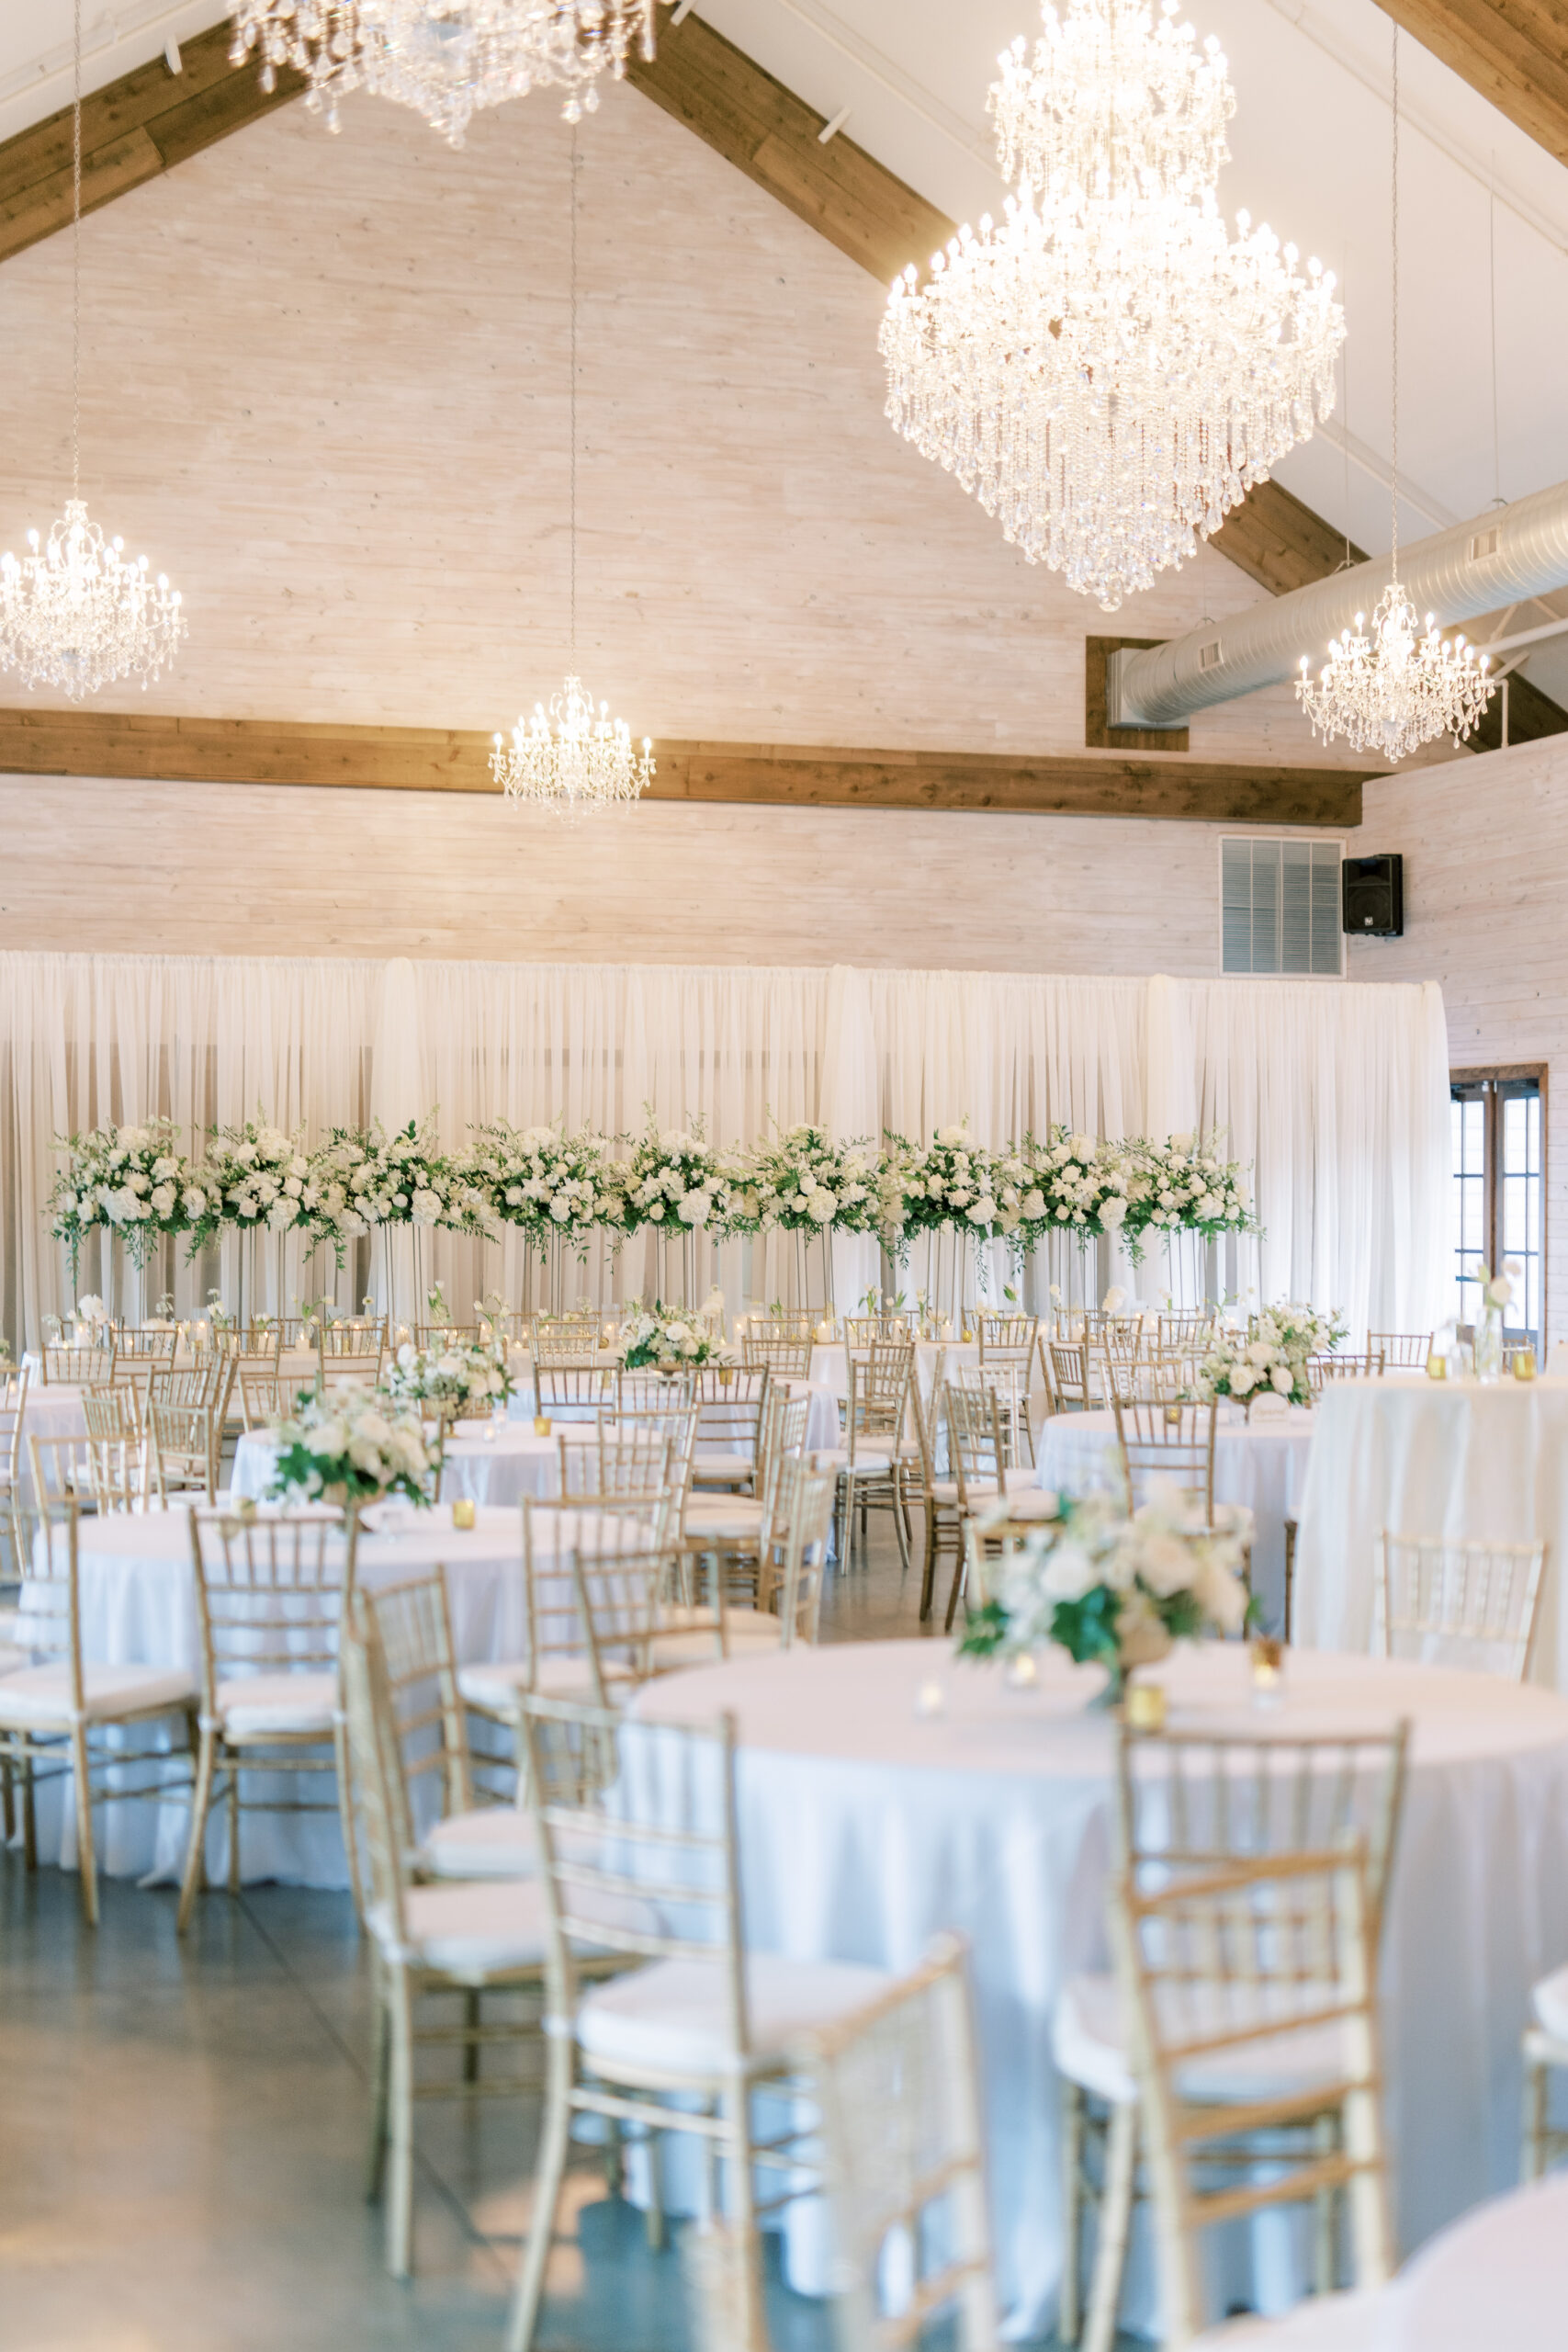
<point>1335,1094</point>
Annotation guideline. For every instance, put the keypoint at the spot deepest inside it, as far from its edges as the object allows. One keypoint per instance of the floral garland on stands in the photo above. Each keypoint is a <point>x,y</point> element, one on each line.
<point>805,1182</point>
<point>551,1186</point>
<point>133,1181</point>
<point>1272,1355</point>
<point>252,1177</point>
<point>399,1179</point>
<point>1188,1187</point>
<point>1081,1187</point>
<point>945,1186</point>
<point>673,1182</point>
<point>354,1445</point>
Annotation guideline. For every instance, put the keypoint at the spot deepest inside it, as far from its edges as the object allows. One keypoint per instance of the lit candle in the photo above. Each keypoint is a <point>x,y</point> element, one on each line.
<point>541,1425</point>
<point>1023,1672</point>
<point>1267,1669</point>
<point>931,1697</point>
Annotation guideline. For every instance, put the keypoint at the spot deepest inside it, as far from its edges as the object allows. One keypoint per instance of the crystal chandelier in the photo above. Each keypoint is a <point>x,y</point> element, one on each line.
<point>444,58</point>
<point>573,758</point>
<point>1104,370</point>
<point>75,613</point>
<point>1394,689</point>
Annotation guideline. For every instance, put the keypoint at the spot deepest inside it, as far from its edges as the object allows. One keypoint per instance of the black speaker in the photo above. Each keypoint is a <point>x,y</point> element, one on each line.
<point>1372,891</point>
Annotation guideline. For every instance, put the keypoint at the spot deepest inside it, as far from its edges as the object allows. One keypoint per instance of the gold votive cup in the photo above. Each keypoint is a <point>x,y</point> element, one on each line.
<point>541,1425</point>
<point>1144,1706</point>
<point>1524,1364</point>
<point>725,1375</point>
<point>1436,1366</point>
<point>1268,1662</point>
<point>463,1510</point>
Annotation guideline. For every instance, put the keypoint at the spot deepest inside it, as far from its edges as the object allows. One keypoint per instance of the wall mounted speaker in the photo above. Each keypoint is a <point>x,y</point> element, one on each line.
<point>1371,893</point>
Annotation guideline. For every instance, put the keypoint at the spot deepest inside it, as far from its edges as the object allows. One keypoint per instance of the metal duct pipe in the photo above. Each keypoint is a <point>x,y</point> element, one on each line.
<point>1513,552</point>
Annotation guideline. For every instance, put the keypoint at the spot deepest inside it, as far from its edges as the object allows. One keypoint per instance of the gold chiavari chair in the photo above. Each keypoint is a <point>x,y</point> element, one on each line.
<point>865,1330</point>
<point>52,1713</point>
<point>936,1494</point>
<point>683,2041</point>
<point>104,1473</point>
<point>869,1464</point>
<point>730,1404</point>
<point>579,1388</point>
<point>257,1345</point>
<point>1077,1375</point>
<point>437,1335</point>
<point>1252,1991</point>
<point>793,1559</point>
<point>782,1358</point>
<point>644,1395</point>
<point>788,1323</point>
<point>1470,1604</point>
<point>1164,1441</point>
<point>357,1365</point>
<point>615,1461</point>
<point>66,1367</point>
<point>141,1344</point>
<point>469,1938</point>
<point>733,1529</point>
<point>564,1339</point>
<point>260,1400</point>
<point>184,1443</point>
<point>465,1840</point>
<point>1009,1345</point>
<point>898,2088</point>
<point>204,1383</point>
<point>1402,1350</point>
<point>557,1656</point>
<point>357,1336</point>
<point>1192,1802</point>
<point>1184,1331</point>
<point>1366,1365</point>
<point>977,1453</point>
<point>270,1596</point>
<point>12,1424</point>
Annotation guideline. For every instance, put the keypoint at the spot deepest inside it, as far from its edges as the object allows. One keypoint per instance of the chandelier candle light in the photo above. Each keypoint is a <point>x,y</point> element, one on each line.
<point>1394,689</point>
<point>573,758</point>
<point>1105,371</point>
<point>447,59</point>
<point>75,613</point>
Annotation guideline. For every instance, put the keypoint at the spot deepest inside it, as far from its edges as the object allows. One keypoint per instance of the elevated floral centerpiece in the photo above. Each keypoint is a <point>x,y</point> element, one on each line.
<point>1272,1356</point>
<point>663,1338</point>
<point>1113,1590</point>
<point>457,1380</point>
<point>353,1447</point>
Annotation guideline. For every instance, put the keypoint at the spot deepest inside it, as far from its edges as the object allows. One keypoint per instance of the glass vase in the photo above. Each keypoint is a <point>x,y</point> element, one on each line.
<point>1489,1344</point>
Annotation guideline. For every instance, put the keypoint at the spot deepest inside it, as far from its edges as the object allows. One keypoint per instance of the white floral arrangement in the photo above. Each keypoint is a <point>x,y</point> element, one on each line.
<point>353,1446</point>
<point>804,1182</point>
<point>460,1378</point>
<point>399,1179</point>
<point>1188,1185</point>
<point>551,1185</point>
<point>1272,1355</point>
<point>663,1338</point>
<point>252,1177</point>
<point>945,1186</point>
<point>673,1182</point>
<point>132,1182</point>
<point>1116,1590</point>
<point>1080,1185</point>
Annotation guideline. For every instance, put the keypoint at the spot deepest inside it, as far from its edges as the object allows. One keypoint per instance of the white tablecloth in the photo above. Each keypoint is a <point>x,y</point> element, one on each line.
<point>1431,1458</point>
<point>499,1468</point>
<point>48,1412</point>
<point>867,1828</point>
<point>1262,1463</point>
<point>1496,2282</point>
<point>935,1359</point>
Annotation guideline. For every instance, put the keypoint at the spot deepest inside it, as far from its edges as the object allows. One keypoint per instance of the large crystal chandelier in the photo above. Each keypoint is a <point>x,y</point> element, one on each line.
<point>1395,688</point>
<point>75,611</point>
<point>572,759</point>
<point>1104,369</point>
<point>444,58</point>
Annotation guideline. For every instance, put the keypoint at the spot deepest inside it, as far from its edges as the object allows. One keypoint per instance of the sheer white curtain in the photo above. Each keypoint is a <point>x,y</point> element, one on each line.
<point>1337,1093</point>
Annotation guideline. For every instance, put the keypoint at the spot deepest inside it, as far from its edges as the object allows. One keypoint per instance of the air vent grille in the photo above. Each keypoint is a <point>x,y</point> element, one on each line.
<point>1485,543</point>
<point>1279,905</point>
<point>1210,655</point>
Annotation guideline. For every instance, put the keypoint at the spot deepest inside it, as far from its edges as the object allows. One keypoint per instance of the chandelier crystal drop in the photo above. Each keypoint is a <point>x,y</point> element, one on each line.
<point>75,612</point>
<point>1104,369</point>
<point>572,758</point>
<point>1394,688</point>
<point>448,58</point>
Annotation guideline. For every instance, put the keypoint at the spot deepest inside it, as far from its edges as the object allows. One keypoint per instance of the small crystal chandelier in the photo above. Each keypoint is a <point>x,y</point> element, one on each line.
<point>1394,689</point>
<point>573,758</point>
<point>444,58</point>
<point>74,612</point>
<point>1105,371</point>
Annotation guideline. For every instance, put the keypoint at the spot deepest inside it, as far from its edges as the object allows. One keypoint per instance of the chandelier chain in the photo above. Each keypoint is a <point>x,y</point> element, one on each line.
<point>573,399</point>
<point>77,265</point>
<point>1393,467</point>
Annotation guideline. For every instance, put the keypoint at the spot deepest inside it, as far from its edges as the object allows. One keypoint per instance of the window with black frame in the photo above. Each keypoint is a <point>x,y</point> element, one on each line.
<point>1498,1202</point>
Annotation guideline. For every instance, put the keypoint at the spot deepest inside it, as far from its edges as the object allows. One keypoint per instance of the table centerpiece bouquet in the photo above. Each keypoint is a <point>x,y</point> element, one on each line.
<point>353,1447</point>
<point>663,1338</point>
<point>1113,1589</point>
<point>460,1379</point>
<point>1272,1355</point>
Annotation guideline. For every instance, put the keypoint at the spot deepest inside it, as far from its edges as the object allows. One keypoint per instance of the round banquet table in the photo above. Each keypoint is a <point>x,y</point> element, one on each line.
<point>1498,2278</point>
<point>867,1826</point>
<point>55,1411</point>
<point>139,1609</point>
<point>1431,1457</point>
<point>490,1463</point>
<point>1261,1463</point>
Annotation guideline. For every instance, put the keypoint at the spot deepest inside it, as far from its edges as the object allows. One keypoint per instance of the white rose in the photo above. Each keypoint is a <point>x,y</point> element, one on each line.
<point>1220,1596</point>
<point>983,1211</point>
<point>1070,1571</point>
<point>694,1209</point>
<point>823,1205</point>
<point>1113,1212</point>
<point>1165,1563</point>
<point>1243,1380</point>
<point>1281,1379</point>
<point>560,1209</point>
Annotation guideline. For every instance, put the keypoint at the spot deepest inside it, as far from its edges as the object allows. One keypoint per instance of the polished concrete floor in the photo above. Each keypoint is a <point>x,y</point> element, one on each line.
<point>182,2128</point>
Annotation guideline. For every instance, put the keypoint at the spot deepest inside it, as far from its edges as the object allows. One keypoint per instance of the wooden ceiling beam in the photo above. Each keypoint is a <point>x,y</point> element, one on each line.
<point>1514,51</point>
<point>141,746</point>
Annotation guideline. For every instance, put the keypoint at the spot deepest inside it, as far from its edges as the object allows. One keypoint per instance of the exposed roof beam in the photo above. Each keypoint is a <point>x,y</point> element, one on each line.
<point>1512,51</point>
<point>144,746</point>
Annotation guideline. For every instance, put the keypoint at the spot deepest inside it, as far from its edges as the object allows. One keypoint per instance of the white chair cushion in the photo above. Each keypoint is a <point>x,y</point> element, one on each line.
<point>468,1932</point>
<point>721,1469</point>
<point>499,1686</point>
<point>870,1462</point>
<point>735,1516</point>
<point>252,1705</point>
<point>41,1694</point>
<point>1357,2323</point>
<point>752,1625</point>
<point>671,2015</point>
<point>493,1841</point>
<point>1549,2001</point>
<point>1090,2049</point>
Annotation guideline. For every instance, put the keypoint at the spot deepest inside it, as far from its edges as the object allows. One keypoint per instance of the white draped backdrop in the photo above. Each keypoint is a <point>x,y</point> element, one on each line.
<point>1337,1093</point>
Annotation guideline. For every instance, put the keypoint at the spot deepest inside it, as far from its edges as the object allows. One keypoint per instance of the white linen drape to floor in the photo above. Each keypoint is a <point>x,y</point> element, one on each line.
<point>1337,1093</point>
